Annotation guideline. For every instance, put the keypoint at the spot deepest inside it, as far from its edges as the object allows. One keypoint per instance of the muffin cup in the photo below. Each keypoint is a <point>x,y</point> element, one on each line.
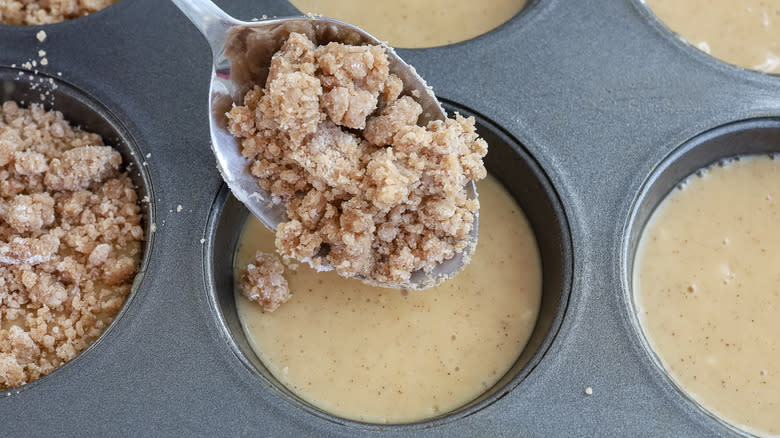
<point>80,109</point>
<point>519,173</point>
<point>714,147</point>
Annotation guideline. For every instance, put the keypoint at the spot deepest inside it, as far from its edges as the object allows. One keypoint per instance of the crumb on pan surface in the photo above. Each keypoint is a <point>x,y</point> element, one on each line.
<point>263,282</point>
<point>36,12</point>
<point>70,241</point>
<point>331,137</point>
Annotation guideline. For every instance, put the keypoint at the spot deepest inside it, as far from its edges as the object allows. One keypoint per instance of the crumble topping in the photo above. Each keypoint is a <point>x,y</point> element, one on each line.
<point>263,282</point>
<point>70,241</point>
<point>365,188</point>
<point>35,12</point>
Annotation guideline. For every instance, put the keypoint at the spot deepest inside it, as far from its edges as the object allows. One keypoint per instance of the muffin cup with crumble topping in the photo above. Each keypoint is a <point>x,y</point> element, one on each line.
<point>72,224</point>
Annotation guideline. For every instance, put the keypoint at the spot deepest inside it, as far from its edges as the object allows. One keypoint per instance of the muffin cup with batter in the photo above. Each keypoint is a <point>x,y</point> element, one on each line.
<point>701,267</point>
<point>516,170</point>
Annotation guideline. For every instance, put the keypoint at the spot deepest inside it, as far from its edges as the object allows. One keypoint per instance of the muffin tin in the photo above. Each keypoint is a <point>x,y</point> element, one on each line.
<point>591,106</point>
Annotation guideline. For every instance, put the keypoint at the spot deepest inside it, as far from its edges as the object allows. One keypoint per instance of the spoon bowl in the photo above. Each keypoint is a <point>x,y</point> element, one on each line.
<point>242,54</point>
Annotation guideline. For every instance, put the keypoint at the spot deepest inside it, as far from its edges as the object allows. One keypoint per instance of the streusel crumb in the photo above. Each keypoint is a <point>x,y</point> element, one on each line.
<point>263,282</point>
<point>365,187</point>
<point>70,241</point>
<point>35,12</point>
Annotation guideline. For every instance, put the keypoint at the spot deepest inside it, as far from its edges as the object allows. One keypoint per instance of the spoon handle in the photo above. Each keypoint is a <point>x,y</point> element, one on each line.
<point>210,20</point>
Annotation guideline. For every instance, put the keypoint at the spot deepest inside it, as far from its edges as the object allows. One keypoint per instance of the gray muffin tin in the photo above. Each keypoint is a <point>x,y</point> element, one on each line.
<point>594,111</point>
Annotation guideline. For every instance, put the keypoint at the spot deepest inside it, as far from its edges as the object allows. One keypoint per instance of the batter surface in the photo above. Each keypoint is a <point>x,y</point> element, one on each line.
<point>744,33</point>
<point>707,290</point>
<point>387,356</point>
<point>410,24</point>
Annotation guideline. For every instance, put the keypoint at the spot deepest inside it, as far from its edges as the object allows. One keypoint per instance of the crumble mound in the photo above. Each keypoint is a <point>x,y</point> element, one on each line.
<point>331,137</point>
<point>35,12</point>
<point>262,282</point>
<point>70,241</point>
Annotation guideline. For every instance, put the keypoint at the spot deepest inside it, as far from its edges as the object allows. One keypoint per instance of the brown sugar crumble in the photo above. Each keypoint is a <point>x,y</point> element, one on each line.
<point>70,241</point>
<point>35,12</point>
<point>263,282</point>
<point>365,188</point>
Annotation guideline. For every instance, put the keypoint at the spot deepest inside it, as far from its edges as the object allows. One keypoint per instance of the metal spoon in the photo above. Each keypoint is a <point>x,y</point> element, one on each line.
<point>233,43</point>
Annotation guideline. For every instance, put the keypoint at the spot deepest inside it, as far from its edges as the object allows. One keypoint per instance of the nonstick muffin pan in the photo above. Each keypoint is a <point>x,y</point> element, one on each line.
<point>591,106</point>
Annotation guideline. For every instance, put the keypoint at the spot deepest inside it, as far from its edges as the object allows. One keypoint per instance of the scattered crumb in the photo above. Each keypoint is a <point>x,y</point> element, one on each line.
<point>588,391</point>
<point>36,12</point>
<point>44,61</point>
<point>331,137</point>
<point>70,241</point>
<point>41,35</point>
<point>263,282</point>
<point>41,53</point>
<point>178,208</point>
<point>202,241</point>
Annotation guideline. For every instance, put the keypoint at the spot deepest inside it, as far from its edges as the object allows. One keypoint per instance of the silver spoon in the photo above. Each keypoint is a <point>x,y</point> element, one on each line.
<point>232,76</point>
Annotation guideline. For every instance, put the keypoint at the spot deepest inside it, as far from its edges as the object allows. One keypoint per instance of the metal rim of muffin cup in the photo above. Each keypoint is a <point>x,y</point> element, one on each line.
<point>522,177</point>
<point>80,109</point>
<point>686,46</point>
<point>760,136</point>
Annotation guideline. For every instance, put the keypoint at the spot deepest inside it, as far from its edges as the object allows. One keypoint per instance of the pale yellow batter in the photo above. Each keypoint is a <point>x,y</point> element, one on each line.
<point>411,23</point>
<point>741,32</point>
<point>707,289</point>
<point>387,356</point>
